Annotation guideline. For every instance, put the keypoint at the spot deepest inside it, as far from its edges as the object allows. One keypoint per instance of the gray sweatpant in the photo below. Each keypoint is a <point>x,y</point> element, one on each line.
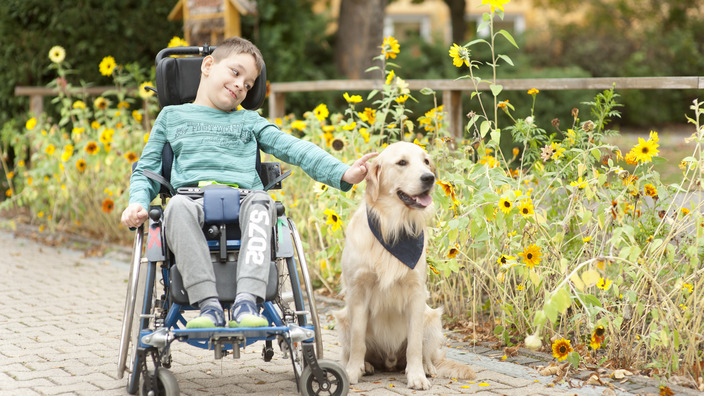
<point>183,223</point>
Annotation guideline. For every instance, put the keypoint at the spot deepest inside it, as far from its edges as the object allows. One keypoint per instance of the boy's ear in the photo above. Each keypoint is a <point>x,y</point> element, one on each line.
<point>207,65</point>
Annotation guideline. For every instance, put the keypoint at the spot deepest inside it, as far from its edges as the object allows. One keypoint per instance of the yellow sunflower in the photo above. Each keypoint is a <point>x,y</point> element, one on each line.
<point>100,103</point>
<point>650,190</point>
<point>454,251</point>
<point>390,47</point>
<point>57,54</point>
<point>31,123</point>
<point>495,4</point>
<point>107,66</point>
<point>352,98</point>
<point>298,124</point>
<point>531,255</point>
<point>526,208</point>
<point>459,55</point>
<point>333,219</point>
<point>92,148</point>
<point>321,112</point>
<point>143,92</point>
<point>81,165</point>
<point>504,259</point>
<point>505,205</point>
<point>130,157</point>
<point>645,150</point>
<point>533,91</point>
<point>561,348</point>
<point>597,337</point>
<point>177,42</point>
<point>368,115</point>
<point>50,149</point>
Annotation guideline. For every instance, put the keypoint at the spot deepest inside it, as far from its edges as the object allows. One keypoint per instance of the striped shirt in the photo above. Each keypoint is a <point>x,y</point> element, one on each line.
<point>210,144</point>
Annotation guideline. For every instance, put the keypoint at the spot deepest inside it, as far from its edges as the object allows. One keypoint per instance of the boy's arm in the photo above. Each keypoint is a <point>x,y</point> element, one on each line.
<point>143,190</point>
<point>316,162</point>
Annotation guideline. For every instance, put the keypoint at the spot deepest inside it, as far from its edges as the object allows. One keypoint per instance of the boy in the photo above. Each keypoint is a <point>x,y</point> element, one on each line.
<point>213,141</point>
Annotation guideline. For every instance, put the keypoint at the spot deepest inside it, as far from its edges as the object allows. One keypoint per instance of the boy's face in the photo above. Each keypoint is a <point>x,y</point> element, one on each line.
<point>224,84</point>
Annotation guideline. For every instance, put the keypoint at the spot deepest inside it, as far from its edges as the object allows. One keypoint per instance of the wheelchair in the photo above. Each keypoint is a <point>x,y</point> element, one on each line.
<point>156,299</point>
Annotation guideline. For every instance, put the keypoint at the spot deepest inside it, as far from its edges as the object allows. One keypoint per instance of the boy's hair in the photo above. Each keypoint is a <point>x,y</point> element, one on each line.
<point>238,45</point>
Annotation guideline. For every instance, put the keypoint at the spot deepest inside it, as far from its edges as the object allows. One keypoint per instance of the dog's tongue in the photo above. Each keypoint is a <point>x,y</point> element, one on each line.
<point>423,200</point>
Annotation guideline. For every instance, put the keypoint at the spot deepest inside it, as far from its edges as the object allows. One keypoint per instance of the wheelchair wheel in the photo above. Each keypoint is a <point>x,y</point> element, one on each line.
<point>144,306</point>
<point>336,382</point>
<point>165,381</point>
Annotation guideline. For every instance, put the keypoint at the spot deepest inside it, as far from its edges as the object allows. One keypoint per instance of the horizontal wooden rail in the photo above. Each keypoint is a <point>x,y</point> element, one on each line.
<point>37,94</point>
<point>451,90</point>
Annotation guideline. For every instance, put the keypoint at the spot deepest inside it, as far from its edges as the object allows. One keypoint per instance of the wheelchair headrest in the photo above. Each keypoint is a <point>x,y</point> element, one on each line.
<point>177,78</point>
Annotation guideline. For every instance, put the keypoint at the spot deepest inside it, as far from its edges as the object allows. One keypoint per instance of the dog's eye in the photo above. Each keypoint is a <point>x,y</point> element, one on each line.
<point>402,163</point>
<point>427,161</point>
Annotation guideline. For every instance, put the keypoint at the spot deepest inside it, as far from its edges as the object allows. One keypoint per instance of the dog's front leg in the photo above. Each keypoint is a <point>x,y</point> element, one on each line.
<point>357,340</point>
<point>415,374</point>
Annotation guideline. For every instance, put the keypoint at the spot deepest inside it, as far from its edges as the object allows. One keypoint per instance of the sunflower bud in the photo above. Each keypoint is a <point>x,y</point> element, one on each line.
<point>533,342</point>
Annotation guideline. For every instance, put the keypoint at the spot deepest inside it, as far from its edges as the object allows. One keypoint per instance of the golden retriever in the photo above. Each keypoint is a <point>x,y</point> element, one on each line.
<point>386,323</point>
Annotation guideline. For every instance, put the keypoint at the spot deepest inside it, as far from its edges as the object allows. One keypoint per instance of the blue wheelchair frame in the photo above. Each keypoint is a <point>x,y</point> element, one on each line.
<point>160,321</point>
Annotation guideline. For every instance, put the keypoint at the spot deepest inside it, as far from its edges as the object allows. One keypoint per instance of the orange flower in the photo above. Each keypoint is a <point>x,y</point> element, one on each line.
<point>108,205</point>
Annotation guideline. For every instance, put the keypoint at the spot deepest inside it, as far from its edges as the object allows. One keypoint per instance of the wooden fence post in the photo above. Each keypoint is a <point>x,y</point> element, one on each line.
<point>452,105</point>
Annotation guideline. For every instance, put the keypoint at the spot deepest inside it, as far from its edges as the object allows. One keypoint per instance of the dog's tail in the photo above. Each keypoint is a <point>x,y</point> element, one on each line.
<point>451,369</point>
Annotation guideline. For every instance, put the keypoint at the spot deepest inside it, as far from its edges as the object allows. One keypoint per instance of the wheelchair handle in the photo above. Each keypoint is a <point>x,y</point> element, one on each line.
<point>171,51</point>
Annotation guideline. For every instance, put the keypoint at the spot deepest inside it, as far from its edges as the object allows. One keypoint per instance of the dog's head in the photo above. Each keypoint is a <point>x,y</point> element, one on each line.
<point>403,172</point>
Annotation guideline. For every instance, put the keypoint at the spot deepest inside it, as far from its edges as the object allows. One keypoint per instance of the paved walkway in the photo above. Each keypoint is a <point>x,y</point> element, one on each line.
<point>61,319</point>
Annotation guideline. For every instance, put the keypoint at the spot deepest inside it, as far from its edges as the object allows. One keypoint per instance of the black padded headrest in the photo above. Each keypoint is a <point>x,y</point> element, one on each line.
<point>177,78</point>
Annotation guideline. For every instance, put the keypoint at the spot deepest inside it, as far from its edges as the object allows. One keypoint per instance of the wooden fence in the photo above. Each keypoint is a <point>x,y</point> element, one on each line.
<point>451,90</point>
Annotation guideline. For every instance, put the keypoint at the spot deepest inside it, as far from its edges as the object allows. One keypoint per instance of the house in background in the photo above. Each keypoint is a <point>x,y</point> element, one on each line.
<point>210,21</point>
<point>430,19</point>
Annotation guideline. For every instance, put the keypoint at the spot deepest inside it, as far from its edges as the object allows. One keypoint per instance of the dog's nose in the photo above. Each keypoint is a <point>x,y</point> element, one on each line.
<point>428,179</point>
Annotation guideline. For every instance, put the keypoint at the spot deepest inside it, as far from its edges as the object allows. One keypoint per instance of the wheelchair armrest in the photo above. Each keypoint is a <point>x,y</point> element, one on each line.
<point>270,174</point>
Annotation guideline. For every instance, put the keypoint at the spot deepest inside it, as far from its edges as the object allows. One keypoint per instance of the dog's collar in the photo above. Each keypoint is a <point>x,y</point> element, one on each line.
<point>406,248</point>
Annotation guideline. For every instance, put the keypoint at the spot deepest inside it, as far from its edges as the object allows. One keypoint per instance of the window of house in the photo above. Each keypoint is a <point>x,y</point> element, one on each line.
<point>513,23</point>
<point>403,27</point>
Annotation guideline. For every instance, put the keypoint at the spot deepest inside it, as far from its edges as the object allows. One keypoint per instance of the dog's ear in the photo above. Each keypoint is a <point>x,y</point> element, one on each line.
<point>373,180</point>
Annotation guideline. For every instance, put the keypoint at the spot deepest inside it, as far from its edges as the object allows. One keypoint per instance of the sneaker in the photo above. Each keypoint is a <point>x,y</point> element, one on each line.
<point>246,314</point>
<point>209,317</point>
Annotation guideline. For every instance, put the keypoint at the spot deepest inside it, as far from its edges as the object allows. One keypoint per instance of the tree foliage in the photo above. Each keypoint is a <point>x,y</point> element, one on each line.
<point>630,38</point>
<point>128,30</point>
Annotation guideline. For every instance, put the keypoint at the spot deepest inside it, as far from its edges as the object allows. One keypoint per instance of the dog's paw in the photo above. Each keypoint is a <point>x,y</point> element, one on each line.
<point>417,380</point>
<point>430,370</point>
<point>368,368</point>
<point>354,371</point>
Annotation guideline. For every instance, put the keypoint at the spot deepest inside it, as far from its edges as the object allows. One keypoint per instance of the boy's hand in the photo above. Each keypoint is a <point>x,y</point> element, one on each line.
<point>358,171</point>
<point>134,215</point>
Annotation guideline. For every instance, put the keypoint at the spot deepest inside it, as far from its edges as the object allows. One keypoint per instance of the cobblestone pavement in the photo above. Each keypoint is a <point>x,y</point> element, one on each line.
<point>61,319</point>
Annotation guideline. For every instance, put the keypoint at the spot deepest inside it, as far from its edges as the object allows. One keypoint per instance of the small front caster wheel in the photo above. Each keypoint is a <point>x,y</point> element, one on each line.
<point>166,384</point>
<point>335,383</point>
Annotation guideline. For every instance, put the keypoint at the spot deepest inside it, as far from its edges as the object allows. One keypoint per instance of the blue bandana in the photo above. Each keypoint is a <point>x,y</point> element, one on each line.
<point>406,248</point>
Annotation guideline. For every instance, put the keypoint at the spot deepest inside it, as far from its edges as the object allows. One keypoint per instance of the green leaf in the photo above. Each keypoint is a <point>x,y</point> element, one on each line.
<point>550,311</point>
<point>539,319</point>
<point>496,89</point>
<point>427,91</point>
<point>574,359</point>
<point>484,128</point>
<point>372,94</point>
<point>506,59</point>
<point>562,299</point>
<point>508,37</point>
<point>496,136</point>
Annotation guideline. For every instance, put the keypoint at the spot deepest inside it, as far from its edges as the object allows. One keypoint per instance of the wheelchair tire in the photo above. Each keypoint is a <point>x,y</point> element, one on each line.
<point>336,383</point>
<point>166,383</point>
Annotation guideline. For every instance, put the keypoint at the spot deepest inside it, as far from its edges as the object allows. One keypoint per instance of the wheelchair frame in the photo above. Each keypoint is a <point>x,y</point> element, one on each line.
<point>151,324</point>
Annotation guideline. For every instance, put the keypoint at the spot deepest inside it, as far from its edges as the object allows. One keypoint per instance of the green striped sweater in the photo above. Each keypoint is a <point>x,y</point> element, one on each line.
<point>210,144</point>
